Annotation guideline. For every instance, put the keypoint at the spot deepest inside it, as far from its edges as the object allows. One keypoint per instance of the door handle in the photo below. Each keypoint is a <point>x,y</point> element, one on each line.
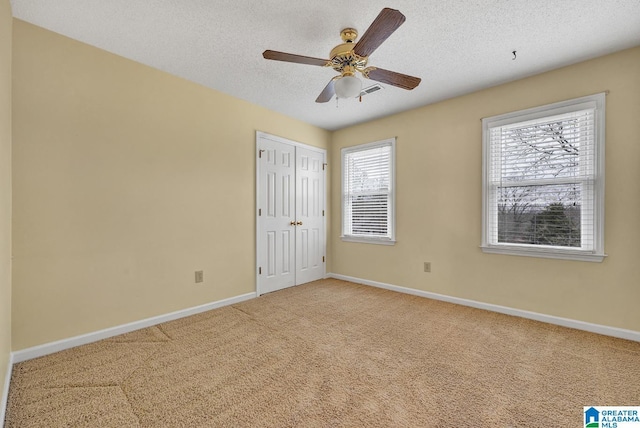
<point>299,223</point>
<point>293,223</point>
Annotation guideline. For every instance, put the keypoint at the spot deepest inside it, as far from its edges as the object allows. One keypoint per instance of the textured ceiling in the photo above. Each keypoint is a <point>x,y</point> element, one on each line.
<point>455,46</point>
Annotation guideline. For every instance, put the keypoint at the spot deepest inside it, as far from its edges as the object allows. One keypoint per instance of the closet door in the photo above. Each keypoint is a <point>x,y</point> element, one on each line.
<point>276,216</point>
<point>310,239</point>
<point>290,225</point>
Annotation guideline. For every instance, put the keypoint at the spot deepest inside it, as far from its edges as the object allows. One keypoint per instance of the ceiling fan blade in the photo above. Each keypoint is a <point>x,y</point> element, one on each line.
<point>327,93</point>
<point>299,59</point>
<point>392,78</point>
<point>382,27</point>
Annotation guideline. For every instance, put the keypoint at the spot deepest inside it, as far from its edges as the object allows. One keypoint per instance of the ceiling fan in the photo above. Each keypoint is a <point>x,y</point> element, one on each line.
<point>350,57</point>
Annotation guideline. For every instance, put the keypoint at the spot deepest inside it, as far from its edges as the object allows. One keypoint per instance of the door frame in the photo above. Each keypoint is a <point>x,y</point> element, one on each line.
<point>265,135</point>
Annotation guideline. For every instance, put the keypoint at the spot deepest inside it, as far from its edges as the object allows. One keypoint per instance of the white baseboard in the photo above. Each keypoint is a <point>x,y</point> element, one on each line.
<point>4,398</point>
<point>564,322</point>
<point>60,345</point>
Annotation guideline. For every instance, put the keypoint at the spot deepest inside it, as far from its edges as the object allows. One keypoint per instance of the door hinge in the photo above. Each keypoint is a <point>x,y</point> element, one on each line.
<point>324,165</point>
<point>259,271</point>
<point>322,259</point>
<point>259,211</point>
<point>322,213</point>
<point>260,153</point>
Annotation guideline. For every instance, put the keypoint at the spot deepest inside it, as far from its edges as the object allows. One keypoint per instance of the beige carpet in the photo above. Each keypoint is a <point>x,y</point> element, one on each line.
<point>330,354</point>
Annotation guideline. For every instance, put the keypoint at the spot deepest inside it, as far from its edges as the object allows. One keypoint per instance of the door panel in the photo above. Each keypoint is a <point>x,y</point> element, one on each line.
<point>309,200</point>
<point>276,254</point>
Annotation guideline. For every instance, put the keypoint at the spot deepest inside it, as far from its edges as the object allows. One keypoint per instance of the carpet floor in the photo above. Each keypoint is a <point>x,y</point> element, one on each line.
<point>330,354</point>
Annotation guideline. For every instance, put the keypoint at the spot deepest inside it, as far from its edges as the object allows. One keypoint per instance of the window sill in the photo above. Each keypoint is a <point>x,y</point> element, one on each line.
<point>363,240</point>
<point>544,253</point>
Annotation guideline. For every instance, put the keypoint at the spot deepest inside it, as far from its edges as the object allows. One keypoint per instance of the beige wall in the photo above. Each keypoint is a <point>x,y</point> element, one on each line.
<point>439,202</point>
<point>5,190</point>
<point>126,180</point>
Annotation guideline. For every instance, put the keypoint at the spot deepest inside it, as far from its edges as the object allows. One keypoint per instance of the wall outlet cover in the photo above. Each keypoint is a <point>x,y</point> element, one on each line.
<point>199,276</point>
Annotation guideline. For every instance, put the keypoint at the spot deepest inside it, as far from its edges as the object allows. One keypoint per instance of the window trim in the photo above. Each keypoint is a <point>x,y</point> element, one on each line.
<point>392,211</point>
<point>596,101</point>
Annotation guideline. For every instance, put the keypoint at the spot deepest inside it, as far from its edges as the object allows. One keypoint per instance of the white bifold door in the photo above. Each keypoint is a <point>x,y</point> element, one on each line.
<point>290,213</point>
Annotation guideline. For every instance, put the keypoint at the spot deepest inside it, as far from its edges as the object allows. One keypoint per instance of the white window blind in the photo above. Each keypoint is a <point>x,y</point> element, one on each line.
<point>543,179</point>
<point>367,190</point>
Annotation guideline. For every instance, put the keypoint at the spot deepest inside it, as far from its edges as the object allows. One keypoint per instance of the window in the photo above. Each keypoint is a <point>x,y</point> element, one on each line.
<point>543,181</point>
<point>368,192</point>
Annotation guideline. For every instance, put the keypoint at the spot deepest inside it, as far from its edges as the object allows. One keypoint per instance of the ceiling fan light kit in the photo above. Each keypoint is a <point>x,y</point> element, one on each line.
<point>350,57</point>
<point>348,87</point>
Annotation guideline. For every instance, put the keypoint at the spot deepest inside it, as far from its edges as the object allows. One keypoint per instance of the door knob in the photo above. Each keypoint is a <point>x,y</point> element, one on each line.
<point>293,223</point>
<point>299,223</point>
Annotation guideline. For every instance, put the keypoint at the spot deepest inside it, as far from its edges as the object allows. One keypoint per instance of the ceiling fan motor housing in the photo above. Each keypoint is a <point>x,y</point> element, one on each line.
<point>343,59</point>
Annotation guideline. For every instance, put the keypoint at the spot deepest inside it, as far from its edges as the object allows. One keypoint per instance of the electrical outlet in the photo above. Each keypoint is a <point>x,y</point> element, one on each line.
<point>427,266</point>
<point>199,276</point>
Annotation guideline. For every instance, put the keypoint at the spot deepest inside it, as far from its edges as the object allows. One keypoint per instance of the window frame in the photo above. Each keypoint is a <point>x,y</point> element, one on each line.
<point>391,211</point>
<point>596,102</point>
